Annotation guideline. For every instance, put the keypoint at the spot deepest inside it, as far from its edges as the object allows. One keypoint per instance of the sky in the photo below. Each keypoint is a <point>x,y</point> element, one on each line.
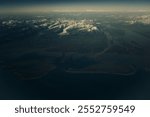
<point>76,4</point>
<point>68,1</point>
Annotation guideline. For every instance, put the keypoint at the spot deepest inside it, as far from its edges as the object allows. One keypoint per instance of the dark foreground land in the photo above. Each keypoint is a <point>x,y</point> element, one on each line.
<point>80,56</point>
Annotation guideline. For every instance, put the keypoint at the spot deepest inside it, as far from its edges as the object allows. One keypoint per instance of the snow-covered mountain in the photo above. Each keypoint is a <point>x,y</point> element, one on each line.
<point>144,19</point>
<point>68,25</point>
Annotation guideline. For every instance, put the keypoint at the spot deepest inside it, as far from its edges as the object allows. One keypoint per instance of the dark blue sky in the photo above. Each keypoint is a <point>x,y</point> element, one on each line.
<point>4,3</point>
<point>64,1</point>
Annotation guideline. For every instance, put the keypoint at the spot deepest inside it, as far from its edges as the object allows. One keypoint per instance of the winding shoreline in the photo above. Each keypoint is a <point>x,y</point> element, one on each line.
<point>102,72</point>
